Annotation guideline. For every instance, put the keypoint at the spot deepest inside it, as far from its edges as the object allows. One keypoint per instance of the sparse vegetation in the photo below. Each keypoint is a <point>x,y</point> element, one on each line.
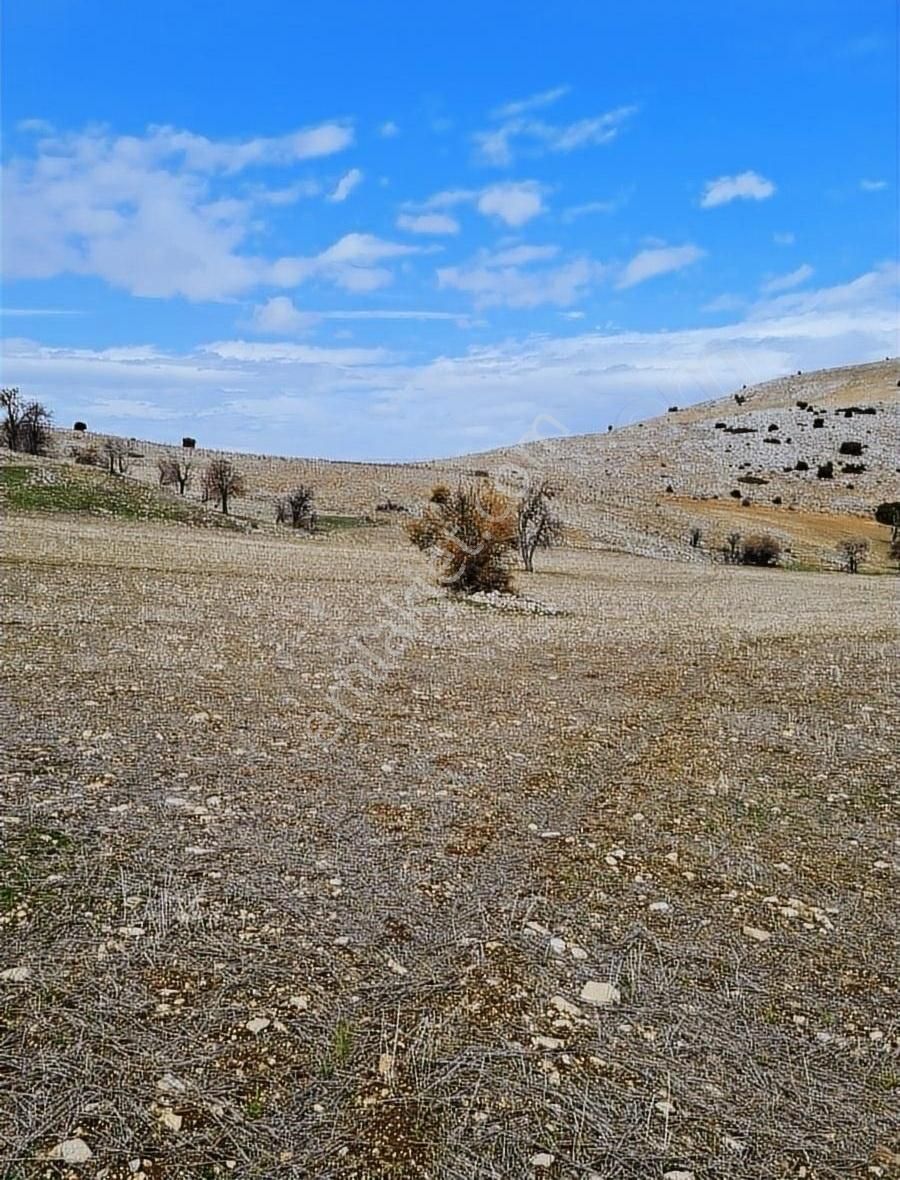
<point>473,532</point>
<point>297,509</point>
<point>761,549</point>
<point>175,471</point>
<point>853,553</point>
<point>537,525</point>
<point>25,425</point>
<point>825,470</point>
<point>222,481</point>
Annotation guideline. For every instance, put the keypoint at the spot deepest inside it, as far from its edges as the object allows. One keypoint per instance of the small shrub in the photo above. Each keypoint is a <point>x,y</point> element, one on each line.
<point>825,470</point>
<point>188,443</point>
<point>853,468</point>
<point>850,447</point>
<point>801,465</point>
<point>761,549</point>
<point>695,537</point>
<point>818,423</point>
<point>473,531</point>
<point>80,427</point>
<point>672,410</point>
<point>735,494</point>
<point>773,426</point>
<point>776,499</point>
<point>853,553</point>
<point>745,503</point>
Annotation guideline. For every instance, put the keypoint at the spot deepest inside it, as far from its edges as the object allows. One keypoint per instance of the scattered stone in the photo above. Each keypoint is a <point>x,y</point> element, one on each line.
<point>170,1119</point>
<point>15,974</point>
<point>665,1107</point>
<point>71,1151</point>
<point>600,994</point>
<point>558,946</point>
<point>756,934</point>
<point>257,1024</point>
<point>562,1005</point>
<point>542,1159</point>
<point>301,1003</point>
<point>659,907</point>
<point>677,1175</point>
<point>169,1084</point>
<point>578,952</point>
<point>547,1042</point>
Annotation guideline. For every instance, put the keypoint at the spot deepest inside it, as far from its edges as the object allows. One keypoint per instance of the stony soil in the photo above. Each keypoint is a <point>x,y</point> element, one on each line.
<point>307,871</point>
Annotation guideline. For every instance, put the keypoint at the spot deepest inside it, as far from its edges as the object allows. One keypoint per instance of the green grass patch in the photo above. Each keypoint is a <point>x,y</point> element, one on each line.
<point>331,522</point>
<point>70,489</point>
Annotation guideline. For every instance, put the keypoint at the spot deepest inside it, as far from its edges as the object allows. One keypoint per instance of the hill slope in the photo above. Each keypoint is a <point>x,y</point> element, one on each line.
<point>641,488</point>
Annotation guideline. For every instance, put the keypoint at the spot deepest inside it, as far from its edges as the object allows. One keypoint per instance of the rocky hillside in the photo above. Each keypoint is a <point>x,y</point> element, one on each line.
<point>756,459</point>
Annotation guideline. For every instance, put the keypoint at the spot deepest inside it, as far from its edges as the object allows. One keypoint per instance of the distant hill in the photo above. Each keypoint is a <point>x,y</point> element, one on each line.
<point>735,463</point>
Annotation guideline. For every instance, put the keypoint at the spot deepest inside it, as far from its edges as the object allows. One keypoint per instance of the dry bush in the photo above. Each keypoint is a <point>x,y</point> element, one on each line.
<point>761,549</point>
<point>297,508</point>
<point>25,425</point>
<point>115,456</point>
<point>86,456</point>
<point>731,550</point>
<point>473,531</point>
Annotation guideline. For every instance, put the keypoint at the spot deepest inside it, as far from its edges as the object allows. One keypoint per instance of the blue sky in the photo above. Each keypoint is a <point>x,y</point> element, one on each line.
<point>401,230</point>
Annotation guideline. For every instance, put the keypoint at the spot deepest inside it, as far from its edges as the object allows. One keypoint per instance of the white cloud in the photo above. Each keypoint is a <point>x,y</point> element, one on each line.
<point>658,261</point>
<point>515,203</point>
<point>146,214</point>
<point>576,211</point>
<point>501,278</point>
<point>747,186</point>
<point>39,311</point>
<point>351,263</point>
<point>873,186</point>
<point>724,303</point>
<point>288,195</point>
<point>784,239</point>
<point>428,223</point>
<point>785,282</point>
<point>302,354</point>
<point>544,98</point>
<point>500,144</point>
<point>388,130</point>
<point>279,316</point>
<point>346,185</point>
<point>315,402</point>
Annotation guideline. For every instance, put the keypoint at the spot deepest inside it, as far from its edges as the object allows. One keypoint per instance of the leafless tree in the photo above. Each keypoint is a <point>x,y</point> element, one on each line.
<point>175,471</point>
<point>695,537</point>
<point>853,551</point>
<point>115,456</point>
<point>537,526</point>
<point>25,425</point>
<point>298,508</point>
<point>221,481</point>
<point>732,549</point>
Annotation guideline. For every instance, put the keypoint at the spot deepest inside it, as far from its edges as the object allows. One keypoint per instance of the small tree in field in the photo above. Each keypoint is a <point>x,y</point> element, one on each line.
<point>175,472</point>
<point>115,456</point>
<point>731,550</point>
<point>853,552</point>
<point>473,532</point>
<point>25,425</point>
<point>221,481</point>
<point>537,526</point>
<point>297,508</point>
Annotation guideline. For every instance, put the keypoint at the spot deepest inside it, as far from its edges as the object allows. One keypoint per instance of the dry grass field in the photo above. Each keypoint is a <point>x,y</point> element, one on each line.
<point>309,871</point>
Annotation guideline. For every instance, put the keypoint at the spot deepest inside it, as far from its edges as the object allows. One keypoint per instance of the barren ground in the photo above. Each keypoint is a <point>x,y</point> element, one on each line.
<point>244,934</point>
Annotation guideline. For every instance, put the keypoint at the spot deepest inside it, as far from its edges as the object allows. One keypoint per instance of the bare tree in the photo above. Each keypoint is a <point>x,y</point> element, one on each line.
<point>537,526</point>
<point>854,552</point>
<point>115,456</point>
<point>25,425</point>
<point>298,507</point>
<point>895,550</point>
<point>175,471</point>
<point>695,537</point>
<point>221,481</point>
<point>732,549</point>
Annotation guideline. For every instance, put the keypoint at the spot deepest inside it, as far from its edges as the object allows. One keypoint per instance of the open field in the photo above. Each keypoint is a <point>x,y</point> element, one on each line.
<point>257,925</point>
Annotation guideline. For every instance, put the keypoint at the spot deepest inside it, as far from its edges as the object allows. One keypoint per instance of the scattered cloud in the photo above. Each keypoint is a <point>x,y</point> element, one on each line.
<point>388,130</point>
<point>873,186</point>
<point>747,186</point>
<point>346,185</point>
<point>784,239</point>
<point>725,303</point>
<point>514,203</point>
<point>519,277</point>
<point>544,98</point>
<point>660,260</point>
<point>288,195</point>
<point>279,316</point>
<point>428,223</point>
<point>352,263</point>
<point>39,311</point>
<point>499,145</point>
<point>339,402</point>
<point>786,282</point>
<point>35,127</point>
<point>591,207</point>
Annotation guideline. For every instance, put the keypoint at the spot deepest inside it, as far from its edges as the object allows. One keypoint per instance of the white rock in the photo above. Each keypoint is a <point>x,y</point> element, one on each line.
<point>734,1144</point>
<point>170,1119</point>
<point>659,907</point>
<point>542,1159</point>
<point>558,946</point>
<point>600,994</point>
<point>546,1042</point>
<point>678,1175</point>
<point>665,1107</point>
<point>71,1151</point>
<point>561,1004</point>
<point>257,1024</point>
<point>15,974</point>
<point>756,934</point>
<point>578,952</point>
<point>300,1002</point>
<point>169,1084</point>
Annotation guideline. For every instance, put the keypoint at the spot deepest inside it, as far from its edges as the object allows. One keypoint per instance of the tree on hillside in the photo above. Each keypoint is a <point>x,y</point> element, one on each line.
<point>853,552</point>
<point>889,513</point>
<point>25,425</point>
<point>175,472</point>
<point>761,549</point>
<point>895,550</point>
<point>731,550</point>
<point>221,481</point>
<point>473,532</point>
<point>297,508</point>
<point>115,455</point>
<point>537,526</point>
